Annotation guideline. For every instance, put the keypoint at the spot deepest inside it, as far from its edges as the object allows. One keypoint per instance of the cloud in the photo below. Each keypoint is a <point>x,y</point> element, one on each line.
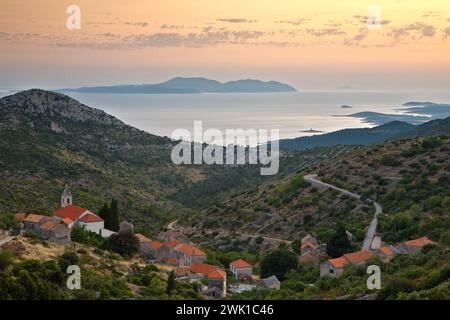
<point>137,24</point>
<point>236,20</point>
<point>415,30</point>
<point>325,32</point>
<point>171,26</point>
<point>446,33</point>
<point>294,22</point>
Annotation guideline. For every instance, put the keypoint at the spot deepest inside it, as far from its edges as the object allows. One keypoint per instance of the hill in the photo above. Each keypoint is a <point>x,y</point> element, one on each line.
<point>191,85</point>
<point>366,136</point>
<point>49,139</point>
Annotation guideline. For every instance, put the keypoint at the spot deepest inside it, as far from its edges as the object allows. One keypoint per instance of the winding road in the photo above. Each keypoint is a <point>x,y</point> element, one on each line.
<point>6,240</point>
<point>370,234</point>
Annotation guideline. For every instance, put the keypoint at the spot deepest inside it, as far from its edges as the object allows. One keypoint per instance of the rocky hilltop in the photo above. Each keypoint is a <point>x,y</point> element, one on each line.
<point>53,105</point>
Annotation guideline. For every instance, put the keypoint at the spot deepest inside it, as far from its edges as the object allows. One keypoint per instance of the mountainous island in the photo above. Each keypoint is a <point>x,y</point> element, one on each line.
<point>180,85</point>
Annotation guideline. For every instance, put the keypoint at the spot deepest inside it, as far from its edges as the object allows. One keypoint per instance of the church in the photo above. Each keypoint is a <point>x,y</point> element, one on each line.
<point>72,215</point>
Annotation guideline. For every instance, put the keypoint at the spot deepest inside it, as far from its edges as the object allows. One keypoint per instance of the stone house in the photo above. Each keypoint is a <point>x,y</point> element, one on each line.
<point>335,267</point>
<point>55,231</point>
<point>32,222</point>
<point>241,268</point>
<point>270,283</point>
<point>188,254</point>
<point>414,246</point>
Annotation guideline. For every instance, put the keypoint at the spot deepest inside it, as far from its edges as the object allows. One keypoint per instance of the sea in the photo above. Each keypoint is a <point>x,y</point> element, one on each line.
<point>291,113</point>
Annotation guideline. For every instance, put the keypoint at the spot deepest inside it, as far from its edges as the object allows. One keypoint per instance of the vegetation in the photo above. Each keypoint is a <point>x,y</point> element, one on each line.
<point>278,263</point>
<point>124,243</point>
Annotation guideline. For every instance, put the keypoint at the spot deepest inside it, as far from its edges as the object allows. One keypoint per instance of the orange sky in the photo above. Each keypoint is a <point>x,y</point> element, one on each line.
<point>319,44</point>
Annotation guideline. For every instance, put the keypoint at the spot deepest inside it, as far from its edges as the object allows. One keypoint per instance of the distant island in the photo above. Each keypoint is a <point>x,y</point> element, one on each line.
<point>181,85</point>
<point>312,131</point>
<point>346,106</point>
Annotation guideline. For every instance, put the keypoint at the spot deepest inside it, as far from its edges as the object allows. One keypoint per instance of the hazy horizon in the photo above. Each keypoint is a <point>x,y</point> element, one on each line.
<point>311,46</point>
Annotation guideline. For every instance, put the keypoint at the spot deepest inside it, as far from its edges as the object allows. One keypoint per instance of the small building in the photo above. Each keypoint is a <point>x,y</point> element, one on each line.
<point>241,268</point>
<point>33,221</point>
<point>310,250</point>
<point>335,267</point>
<point>415,246</point>
<point>188,254</point>
<point>270,283</point>
<point>216,277</point>
<point>55,231</point>
<point>386,253</point>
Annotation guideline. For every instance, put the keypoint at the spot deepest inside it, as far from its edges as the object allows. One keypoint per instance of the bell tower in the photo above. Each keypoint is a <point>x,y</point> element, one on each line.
<point>66,197</point>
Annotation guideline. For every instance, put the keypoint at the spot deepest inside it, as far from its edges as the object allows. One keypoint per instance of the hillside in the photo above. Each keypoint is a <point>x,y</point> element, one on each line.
<point>191,85</point>
<point>49,139</point>
<point>404,175</point>
<point>366,136</point>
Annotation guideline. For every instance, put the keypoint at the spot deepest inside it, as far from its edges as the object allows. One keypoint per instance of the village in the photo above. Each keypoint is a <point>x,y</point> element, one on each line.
<point>174,252</point>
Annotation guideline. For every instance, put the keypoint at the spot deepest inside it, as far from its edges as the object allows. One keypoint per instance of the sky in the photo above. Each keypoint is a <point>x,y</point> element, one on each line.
<point>312,45</point>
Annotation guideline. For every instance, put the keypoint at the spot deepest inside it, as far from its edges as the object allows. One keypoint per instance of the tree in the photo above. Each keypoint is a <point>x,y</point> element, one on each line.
<point>114,215</point>
<point>125,244</point>
<point>278,263</point>
<point>110,215</point>
<point>170,283</point>
<point>339,243</point>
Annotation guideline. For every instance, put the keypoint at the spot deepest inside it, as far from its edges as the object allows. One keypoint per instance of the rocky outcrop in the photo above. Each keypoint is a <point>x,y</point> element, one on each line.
<point>51,104</point>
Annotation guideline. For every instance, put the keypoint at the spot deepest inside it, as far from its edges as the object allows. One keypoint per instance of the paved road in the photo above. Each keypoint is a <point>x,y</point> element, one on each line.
<point>6,240</point>
<point>311,178</point>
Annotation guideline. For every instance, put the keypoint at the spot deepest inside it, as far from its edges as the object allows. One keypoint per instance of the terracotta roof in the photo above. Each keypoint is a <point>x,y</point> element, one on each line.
<point>49,225</point>
<point>67,221</point>
<point>338,262</point>
<point>240,264</point>
<point>171,260</point>
<point>20,217</point>
<point>359,256</point>
<point>142,238</point>
<point>155,244</point>
<point>34,218</point>
<point>217,274</point>
<point>172,243</point>
<point>420,242</point>
<point>386,251</point>
<point>190,250</point>
<point>89,218</point>
<point>71,212</point>
<point>203,268</point>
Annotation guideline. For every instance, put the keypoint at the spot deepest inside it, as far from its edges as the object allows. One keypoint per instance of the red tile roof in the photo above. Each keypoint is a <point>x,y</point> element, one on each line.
<point>420,242</point>
<point>338,262</point>
<point>20,217</point>
<point>142,238</point>
<point>35,218</point>
<point>190,250</point>
<point>90,218</point>
<point>71,212</point>
<point>67,221</point>
<point>217,274</point>
<point>359,256</point>
<point>49,225</point>
<point>386,251</point>
<point>240,264</point>
<point>172,243</point>
<point>203,268</point>
<point>155,245</point>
